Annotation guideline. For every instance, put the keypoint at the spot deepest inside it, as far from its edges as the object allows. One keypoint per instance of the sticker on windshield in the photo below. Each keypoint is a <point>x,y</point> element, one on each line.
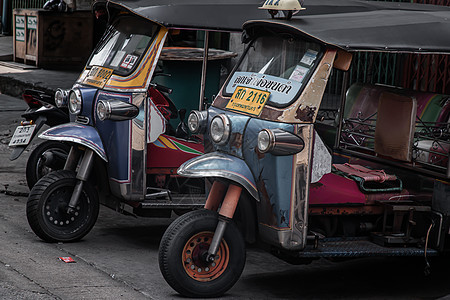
<point>129,61</point>
<point>248,100</point>
<point>309,57</point>
<point>299,73</point>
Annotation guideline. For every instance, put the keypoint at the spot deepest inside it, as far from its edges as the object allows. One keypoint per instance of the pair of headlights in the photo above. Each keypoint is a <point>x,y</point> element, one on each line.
<point>219,129</point>
<point>69,98</point>
<point>275,141</point>
<point>113,109</point>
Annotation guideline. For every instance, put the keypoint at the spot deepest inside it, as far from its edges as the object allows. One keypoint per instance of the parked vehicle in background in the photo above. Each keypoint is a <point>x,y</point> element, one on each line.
<point>48,155</point>
<point>124,152</point>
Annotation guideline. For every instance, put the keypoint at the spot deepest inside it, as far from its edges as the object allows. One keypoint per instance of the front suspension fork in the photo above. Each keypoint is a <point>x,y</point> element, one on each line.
<point>226,212</point>
<point>84,170</point>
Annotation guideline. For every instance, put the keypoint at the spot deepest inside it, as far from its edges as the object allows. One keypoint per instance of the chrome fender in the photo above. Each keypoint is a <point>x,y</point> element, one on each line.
<point>218,164</point>
<point>79,134</point>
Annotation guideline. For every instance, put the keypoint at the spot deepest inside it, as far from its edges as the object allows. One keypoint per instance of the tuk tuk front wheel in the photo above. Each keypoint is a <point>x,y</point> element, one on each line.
<point>47,208</point>
<point>182,255</point>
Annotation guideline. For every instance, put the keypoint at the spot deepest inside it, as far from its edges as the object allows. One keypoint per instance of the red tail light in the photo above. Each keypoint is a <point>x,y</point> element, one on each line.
<point>33,103</point>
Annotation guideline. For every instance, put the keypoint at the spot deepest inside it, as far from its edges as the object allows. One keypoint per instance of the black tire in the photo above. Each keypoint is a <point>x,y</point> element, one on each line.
<point>47,208</point>
<point>181,261</point>
<point>36,168</point>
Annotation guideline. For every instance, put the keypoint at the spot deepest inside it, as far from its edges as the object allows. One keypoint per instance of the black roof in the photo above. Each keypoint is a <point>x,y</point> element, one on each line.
<point>399,30</point>
<point>222,15</point>
<point>352,25</point>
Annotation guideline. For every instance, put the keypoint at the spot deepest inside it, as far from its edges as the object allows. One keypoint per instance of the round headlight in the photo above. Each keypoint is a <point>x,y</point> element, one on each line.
<point>75,102</point>
<point>197,121</point>
<point>102,110</point>
<point>265,141</point>
<point>61,98</point>
<point>193,122</point>
<point>220,129</point>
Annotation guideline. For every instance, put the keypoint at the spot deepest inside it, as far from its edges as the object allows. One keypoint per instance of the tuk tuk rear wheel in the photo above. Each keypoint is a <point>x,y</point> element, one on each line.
<point>47,208</point>
<point>183,251</point>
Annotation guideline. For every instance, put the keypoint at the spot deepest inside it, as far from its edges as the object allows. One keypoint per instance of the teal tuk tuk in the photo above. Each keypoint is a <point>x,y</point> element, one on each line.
<point>380,186</point>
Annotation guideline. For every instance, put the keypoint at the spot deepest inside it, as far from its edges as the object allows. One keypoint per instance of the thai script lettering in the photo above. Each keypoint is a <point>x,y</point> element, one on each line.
<point>263,83</point>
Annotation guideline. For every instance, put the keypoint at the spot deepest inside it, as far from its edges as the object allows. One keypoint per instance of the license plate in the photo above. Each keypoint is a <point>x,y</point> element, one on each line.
<point>248,100</point>
<point>22,135</point>
<point>98,76</point>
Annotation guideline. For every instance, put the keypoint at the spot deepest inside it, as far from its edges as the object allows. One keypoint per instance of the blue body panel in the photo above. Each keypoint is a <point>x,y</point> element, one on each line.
<point>87,110</point>
<point>116,137</point>
<point>273,174</point>
<point>238,123</point>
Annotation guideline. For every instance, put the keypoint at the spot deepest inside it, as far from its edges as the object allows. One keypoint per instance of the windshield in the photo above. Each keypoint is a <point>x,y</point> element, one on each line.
<point>123,44</point>
<point>278,65</point>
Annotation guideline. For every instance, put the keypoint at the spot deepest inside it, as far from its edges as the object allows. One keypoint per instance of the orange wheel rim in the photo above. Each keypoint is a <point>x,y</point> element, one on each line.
<point>193,257</point>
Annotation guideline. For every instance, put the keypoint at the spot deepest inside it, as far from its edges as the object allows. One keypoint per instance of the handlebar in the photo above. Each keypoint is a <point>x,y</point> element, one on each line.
<point>161,88</point>
<point>160,73</point>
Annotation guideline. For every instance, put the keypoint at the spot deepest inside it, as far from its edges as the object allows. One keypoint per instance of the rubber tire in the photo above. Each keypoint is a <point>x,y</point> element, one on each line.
<point>58,181</point>
<point>171,248</point>
<point>32,173</point>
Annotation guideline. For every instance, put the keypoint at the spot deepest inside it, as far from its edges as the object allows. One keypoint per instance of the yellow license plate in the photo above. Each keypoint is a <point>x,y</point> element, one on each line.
<point>248,100</point>
<point>98,76</point>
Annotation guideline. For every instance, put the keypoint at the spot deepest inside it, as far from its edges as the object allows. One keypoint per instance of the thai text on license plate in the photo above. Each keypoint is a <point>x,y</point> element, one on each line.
<point>248,100</point>
<point>22,135</point>
<point>98,76</point>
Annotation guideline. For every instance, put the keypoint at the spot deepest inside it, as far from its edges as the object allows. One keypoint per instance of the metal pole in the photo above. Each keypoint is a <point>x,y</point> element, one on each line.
<point>345,82</point>
<point>205,63</point>
<point>6,17</point>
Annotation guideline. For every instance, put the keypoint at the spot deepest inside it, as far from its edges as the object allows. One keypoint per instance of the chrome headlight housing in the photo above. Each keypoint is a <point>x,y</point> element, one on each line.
<point>103,110</point>
<point>279,142</point>
<point>220,129</point>
<point>116,110</point>
<point>265,140</point>
<point>197,121</point>
<point>61,98</point>
<point>75,101</point>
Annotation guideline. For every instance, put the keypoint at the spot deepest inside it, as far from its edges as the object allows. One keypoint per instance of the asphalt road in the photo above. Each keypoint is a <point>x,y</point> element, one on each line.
<point>118,258</point>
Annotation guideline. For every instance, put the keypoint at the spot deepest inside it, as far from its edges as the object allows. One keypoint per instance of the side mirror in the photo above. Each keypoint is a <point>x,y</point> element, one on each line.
<point>343,60</point>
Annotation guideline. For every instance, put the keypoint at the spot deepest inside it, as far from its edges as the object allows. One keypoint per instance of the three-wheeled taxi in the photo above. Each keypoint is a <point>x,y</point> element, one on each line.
<point>373,182</point>
<point>124,152</point>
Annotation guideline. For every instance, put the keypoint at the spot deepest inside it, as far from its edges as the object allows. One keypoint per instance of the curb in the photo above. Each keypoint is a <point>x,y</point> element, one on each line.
<point>14,87</point>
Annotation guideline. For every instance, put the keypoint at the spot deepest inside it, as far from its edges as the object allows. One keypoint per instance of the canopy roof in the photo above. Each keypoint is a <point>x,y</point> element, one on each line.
<point>222,15</point>
<point>352,25</point>
<point>400,30</point>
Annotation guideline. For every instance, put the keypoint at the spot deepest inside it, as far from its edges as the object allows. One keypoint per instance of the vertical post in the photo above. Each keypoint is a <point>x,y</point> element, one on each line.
<point>342,108</point>
<point>6,17</point>
<point>448,165</point>
<point>204,66</point>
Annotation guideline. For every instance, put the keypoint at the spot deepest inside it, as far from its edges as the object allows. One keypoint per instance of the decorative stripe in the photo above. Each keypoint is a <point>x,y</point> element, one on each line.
<point>167,142</point>
<point>158,143</point>
<point>186,149</point>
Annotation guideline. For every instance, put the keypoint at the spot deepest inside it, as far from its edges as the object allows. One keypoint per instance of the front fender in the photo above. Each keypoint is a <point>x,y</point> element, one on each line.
<point>218,164</point>
<point>79,134</point>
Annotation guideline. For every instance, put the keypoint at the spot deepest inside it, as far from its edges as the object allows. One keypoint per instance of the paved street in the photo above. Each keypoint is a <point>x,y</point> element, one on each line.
<point>118,259</point>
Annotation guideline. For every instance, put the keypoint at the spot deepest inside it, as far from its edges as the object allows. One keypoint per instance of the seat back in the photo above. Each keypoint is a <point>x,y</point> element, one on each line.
<point>395,126</point>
